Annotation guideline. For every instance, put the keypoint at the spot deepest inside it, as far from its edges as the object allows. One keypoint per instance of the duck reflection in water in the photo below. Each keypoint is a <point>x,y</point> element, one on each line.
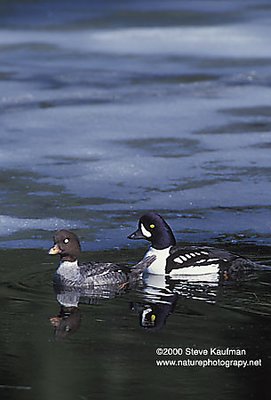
<point>154,313</point>
<point>69,318</point>
<point>155,298</point>
<point>158,296</point>
<point>66,322</point>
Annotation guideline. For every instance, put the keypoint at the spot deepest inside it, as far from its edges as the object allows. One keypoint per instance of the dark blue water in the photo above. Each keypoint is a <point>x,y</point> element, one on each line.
<point>107,110</point>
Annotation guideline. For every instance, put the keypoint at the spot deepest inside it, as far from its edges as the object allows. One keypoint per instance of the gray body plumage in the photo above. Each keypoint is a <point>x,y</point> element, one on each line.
<point>74,274</point>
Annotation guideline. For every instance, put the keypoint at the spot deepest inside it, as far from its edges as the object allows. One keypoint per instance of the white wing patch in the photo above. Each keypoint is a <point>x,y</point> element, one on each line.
<point>178,260</point>
<point>181,259</point>
<point>144,231</point>
<point>202,261</point>
<point>188,256</point>
<point>196,270</point>
<point>202,266</point>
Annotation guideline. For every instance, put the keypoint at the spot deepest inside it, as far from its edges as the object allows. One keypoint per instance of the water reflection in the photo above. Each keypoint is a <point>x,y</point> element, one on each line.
<point>69,317</point>
<point>159,297</point>
<point>66,322</point>
<point>155,298</point>
<point>152,304</point>
<point>154,313</point>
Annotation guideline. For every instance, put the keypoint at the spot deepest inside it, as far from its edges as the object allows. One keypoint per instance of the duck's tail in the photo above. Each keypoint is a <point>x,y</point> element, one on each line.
<point>138,269</point>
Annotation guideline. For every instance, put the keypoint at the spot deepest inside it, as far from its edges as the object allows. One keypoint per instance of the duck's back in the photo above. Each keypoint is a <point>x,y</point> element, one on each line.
<point>204,260</point>
<point>103,274</point>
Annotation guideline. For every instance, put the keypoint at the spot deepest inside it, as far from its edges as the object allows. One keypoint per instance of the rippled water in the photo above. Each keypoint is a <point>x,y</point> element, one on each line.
<point>109,109</point>
<point>106,348</point>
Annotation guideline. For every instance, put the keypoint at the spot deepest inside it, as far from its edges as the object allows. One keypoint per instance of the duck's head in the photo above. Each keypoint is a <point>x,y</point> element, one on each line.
<point>67,245</point>
<point>154,228</point>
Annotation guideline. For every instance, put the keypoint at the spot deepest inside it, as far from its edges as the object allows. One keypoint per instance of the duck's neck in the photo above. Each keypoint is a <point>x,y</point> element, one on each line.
<point>69,270</point>
<point>67,257</point>
<point>68,263</point>
<point>163,241</point>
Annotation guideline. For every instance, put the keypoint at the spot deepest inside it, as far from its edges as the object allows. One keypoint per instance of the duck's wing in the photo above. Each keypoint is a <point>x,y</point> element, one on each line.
<point>92,269</point>
<point>143,264</point>
<point>102,273</point>
<point>136,271</point>
<point>97,270</point>
<point>203,260</point>
<point>110,273</point>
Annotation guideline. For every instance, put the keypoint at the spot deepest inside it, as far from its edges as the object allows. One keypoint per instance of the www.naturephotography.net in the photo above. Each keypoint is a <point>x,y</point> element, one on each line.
<point>209,363</point>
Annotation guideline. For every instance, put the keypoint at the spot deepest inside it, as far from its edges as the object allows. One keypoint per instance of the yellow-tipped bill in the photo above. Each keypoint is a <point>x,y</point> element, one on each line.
<point>55,250</point>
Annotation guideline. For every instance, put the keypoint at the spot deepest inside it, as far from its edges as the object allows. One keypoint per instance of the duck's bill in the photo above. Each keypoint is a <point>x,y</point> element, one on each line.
<point>136,235</point>
<point>54,250</point>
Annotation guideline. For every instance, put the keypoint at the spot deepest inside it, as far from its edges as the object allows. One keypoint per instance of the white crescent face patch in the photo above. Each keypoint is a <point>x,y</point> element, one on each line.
<point>144,231</point>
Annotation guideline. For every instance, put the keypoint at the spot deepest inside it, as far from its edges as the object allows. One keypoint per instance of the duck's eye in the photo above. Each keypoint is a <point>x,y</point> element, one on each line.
<point>66,240</point>
<point>152,226</point>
